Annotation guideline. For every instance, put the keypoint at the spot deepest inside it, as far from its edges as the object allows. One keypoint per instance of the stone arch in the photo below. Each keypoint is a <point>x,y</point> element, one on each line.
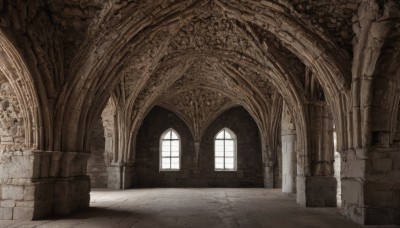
<point>270,159</point>
<point>83,90</point>
<point>27,138</point>
<point>13,68</point>
<point>181,116</point>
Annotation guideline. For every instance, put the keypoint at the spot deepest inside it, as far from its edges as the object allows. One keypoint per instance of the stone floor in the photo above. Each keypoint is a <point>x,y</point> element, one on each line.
<point>211,207</point>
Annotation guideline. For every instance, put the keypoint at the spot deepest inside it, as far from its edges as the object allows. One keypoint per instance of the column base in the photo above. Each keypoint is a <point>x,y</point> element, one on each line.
<point>268,177</point>
<point>371,186</point>
<point>316,191</point>
<point>37,184</point>
<point>114,177</point>
<point>71,194</point>
<point>120,177</point>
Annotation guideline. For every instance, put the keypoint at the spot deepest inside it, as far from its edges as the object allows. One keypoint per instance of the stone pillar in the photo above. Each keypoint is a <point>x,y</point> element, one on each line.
<point>127,176</point>
<point>353,174</point>
<point>288,162</point>
<point>72,187</point>
<point>18,198</point>
<point>371,185</point>
<point>269,175</point>
<point>288,138</point>
<point>120,176</point>
<point>319,189</point>
<point>268,165</point>
<point>114,174</point>
<point>36,184</point>
<point>382,187</point>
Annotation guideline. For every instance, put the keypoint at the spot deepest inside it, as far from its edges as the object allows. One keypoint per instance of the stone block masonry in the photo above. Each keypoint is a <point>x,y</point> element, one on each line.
<point>36,184</point>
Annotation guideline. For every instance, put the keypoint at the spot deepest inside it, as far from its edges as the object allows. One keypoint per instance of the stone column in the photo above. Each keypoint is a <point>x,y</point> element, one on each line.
<point>319,188</point>
<point>353,175</point>
<point>371,185</point>
<point>269,175</point>
<point>268,165</point>
<point>114,174</point>
<point>72,187</point>
<point>18,198</point>
<point>128,173</point>
<point>288,138</point>
<point>288,162</point>
<point>120,176</point>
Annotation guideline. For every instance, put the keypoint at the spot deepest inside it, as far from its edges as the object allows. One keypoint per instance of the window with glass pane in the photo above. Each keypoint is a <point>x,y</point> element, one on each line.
<point>225,150</point>
<point>170,151</point>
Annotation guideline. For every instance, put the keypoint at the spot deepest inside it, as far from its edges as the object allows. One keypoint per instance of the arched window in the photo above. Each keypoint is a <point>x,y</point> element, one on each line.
<point>225,150</point>
<point>170,151</point>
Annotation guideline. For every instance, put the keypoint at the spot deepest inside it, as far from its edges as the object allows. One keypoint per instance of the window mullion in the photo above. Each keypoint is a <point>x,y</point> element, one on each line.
<point>224,151</point>
<point>170,152</point>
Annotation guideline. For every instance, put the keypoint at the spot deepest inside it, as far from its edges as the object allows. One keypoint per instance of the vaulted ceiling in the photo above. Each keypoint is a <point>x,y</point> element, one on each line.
<point>209,54</point>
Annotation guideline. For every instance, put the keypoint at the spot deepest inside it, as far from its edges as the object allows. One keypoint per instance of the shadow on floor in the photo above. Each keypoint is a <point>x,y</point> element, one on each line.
<point>97,212</point>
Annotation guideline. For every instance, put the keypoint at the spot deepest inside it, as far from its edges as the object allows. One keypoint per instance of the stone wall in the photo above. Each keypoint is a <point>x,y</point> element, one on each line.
<point>201,174</point>
<point>97,167</point>
<point>36,184</point>
<point>12,133</point>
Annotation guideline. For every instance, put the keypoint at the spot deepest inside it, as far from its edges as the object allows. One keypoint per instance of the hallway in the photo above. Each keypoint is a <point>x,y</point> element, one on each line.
<point>197,207</point>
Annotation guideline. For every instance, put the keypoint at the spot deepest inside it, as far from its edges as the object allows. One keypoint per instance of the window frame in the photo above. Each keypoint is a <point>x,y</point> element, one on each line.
<point>234,139</point>
<point>161,151</point>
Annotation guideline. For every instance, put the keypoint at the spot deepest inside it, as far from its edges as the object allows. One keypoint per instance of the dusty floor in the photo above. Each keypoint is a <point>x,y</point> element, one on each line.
<point>211,207</point>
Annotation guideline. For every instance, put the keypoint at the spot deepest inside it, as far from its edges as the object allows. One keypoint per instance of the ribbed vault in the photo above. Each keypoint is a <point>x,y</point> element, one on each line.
<point>65,64</point>
<point>182,31</point>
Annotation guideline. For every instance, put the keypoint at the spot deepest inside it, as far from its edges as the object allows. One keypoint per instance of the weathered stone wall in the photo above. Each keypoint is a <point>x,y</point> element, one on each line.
<point>97,167</point>
<point>36,184</point>
<point>249,163</point>
<point>12,132</point>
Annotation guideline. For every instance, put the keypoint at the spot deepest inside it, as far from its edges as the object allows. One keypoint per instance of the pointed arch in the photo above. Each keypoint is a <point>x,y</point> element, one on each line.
<point>36,120</point>
<point>83,91</point>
